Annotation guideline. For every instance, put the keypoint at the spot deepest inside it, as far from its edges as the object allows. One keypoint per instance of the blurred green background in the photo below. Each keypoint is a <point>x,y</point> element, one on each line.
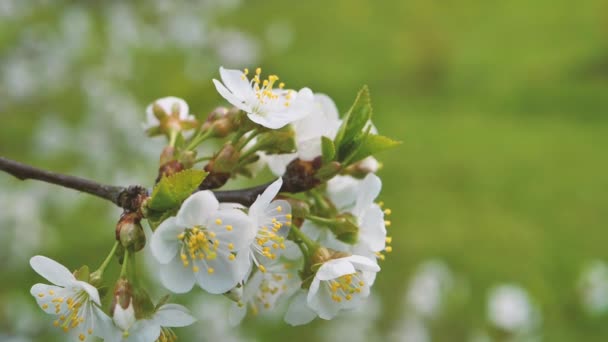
<point>502,107</point>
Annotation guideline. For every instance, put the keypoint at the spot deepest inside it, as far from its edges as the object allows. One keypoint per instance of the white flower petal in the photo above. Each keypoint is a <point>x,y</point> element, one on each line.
<point>277,163</point>
<point>363,264</point>
<point>263,200</point>
<point>322,304</point>
<point>343,190</point>
<point>90,290</point>
<point>167,103</point>
<point>175,277</point>
<point>334,269</point>
<point>233,99</point>
<point>164,243</point>
<point>145,330</point>
<point>236,314</point>
<point>197,209</point>
<point>173,315</point>
<point>51,270</point>
<point>42,294</point>
<point>225,274</point>
<point>298,312</point>
<point>372,231</point>
<point>235,82</point>
<point>232,226</point>
<point>369,190</point>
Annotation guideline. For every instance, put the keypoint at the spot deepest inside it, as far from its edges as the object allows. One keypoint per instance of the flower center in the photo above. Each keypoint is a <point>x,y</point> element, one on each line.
<point>345,287</point>
<point>264,89</point>
<point>198,243</point>
<point>70,309</point>
<point>268,241</point>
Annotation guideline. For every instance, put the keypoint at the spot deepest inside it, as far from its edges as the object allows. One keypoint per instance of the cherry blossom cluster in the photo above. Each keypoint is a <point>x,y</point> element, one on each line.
<point>309,241</point>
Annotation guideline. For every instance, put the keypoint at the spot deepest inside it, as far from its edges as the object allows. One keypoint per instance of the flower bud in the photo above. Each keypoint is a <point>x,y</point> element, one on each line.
<point>122,309</point>
<point>170,168</point>
<point>328,171</point>
<point>277,141</point>
<point>361,168</point>
<point>226,159</point>
<point>221,121</point>
<point>300,175</point>
<point>346,229</point>
<point>130,232</point>
<point>321,255</point>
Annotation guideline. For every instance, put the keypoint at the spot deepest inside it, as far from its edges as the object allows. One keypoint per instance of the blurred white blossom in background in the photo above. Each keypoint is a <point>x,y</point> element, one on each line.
<point>593,287</point>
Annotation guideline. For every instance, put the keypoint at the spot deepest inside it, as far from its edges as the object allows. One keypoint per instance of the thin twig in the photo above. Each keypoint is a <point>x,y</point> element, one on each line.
<point>23,172</point>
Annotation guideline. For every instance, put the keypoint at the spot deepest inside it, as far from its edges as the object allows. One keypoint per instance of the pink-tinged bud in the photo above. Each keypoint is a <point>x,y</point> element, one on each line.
<point>226,159</point>
<point>361,168</point>
<point>122,309</point>
<point>130,233</point>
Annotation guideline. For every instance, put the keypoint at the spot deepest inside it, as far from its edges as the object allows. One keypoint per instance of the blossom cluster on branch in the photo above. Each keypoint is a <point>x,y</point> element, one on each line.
<point>312,239</point>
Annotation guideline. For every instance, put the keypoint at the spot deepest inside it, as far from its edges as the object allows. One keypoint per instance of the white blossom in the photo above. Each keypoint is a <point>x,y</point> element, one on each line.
<point>147,329</point>
<point>264,105</point>
<point>74,303</point>
<point>357,198</point>
<point>271,220</point>
<point>263,290</point>
<point>509,308</point>
<point>203,244</point>
<point>322,121</point>
<point>171,105</point>
<point>338,284</point>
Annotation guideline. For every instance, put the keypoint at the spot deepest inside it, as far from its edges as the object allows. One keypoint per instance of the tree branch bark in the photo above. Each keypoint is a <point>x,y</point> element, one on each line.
<point>23,172</point>
<point>129,198</point>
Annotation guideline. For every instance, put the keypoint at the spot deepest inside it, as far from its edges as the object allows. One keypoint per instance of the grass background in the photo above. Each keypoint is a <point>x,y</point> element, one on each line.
<point>502,108</point>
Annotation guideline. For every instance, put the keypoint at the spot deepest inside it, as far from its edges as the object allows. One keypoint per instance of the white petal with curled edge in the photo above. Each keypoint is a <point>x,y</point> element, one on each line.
<point>173,315</point>
<point>164,243</point>
<point>230,97</point>
<point>334,269</point>
<point>298,312</point>
<point>51,270</point>
<point>197,209</point>
<point>342,190</point>
<point>235,82</point>
<point>90,290</point>
<point>364,264</point>
<point>175,277</point>
<point>258,207</point>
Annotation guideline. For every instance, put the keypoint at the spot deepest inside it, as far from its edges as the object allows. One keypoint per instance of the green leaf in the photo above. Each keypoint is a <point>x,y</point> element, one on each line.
<point>328,149</point>
<point>353,123</point>
<point>371,145</point>
<point>171,191</point>
<point>155,218</point>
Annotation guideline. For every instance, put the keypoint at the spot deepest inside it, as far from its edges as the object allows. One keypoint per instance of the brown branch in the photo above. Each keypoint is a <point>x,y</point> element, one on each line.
<point>298,177</point>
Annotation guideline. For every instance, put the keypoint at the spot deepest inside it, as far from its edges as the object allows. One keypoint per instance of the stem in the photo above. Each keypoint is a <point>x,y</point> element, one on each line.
<point>241,145</point>
<point>125,261</point>
<point>23,172</point>
<point>310,245</point>
<point>321,220</point>
<point>172,138</point>
<point>105,263</point>
<point>202,159</point>
<point>199,138</point>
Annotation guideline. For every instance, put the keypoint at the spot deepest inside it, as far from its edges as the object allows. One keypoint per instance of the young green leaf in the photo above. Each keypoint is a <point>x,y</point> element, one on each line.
<point>353,124</point>
<point>371,145</point>
<point>171,191</point>
<point>328,149</point>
